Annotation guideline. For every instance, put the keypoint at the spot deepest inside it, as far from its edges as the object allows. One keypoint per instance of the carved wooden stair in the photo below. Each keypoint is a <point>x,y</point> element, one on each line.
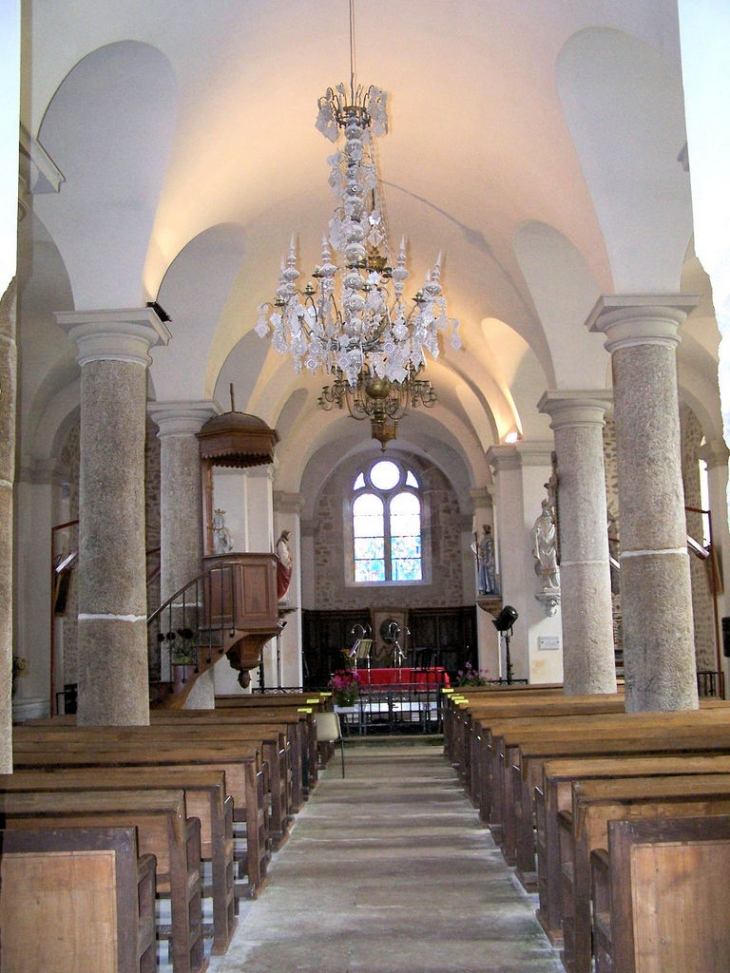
<point>230,609</point>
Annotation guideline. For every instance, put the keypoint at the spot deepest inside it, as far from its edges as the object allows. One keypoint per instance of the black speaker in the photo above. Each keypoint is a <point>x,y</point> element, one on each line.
<point>726,636</point>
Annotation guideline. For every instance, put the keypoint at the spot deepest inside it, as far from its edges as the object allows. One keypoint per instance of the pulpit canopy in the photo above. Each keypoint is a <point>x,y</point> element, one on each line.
<point>237,439</point>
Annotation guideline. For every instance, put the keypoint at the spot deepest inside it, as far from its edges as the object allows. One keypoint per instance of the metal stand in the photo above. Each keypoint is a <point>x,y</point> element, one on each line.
<point>508,660</point>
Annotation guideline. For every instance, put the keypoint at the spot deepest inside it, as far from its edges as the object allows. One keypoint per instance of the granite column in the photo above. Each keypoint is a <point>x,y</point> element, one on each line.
<point>656,597</point>
<point>8,386</point>
<point>181,510</point>
<point>577,419</point>
<point>113,352</point>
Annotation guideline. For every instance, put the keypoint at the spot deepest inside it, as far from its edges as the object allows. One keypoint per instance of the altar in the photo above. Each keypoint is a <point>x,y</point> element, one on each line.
<point>397,699</point>
<point>431,677</point>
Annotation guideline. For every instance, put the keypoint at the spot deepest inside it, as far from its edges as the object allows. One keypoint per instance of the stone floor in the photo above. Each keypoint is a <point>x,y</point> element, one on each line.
<point>388,871</point>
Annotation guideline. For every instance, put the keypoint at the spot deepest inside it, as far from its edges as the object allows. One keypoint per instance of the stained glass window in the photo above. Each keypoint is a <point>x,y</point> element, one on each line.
<point>386,524</point>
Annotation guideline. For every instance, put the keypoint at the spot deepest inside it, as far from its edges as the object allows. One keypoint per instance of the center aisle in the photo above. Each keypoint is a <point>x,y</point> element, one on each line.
<point>389,871</point>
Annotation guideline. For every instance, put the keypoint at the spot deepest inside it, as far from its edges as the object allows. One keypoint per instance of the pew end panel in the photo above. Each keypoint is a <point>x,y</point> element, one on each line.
<point>90,893</point>
<point>661,895</point>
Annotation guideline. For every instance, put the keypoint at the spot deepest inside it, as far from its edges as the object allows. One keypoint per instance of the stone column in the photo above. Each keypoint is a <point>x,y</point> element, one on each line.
<point>656,597</point>
<point>487,637</point>
<point>181,510</point>
<point>113,352</point>
<point>287,511</point>
<point>520,471</point>
<point>181,501</point>
<point>577,419</point>
<point>8,384</point>
<point>715,455</point>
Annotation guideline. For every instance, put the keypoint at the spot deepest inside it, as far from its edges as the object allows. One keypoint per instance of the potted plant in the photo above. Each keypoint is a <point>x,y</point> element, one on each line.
<point>469,676</point>
<point>345,684</point>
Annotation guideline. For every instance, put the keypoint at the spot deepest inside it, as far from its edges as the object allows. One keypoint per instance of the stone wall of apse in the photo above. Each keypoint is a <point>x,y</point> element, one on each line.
<point>443,542</point>
<point>702,605</point>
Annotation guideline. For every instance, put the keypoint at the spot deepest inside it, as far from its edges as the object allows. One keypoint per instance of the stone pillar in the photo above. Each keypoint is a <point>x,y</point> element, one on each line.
<point>520,472</point>
<point>577,419</point>
<point>287,511</point>
<point>113,352</point>
<point>656,597</point>
<point>8,385</point>
<point>487,637</point>
<point>181,510</point>
<point>715,455</point>
<point>181,501</point>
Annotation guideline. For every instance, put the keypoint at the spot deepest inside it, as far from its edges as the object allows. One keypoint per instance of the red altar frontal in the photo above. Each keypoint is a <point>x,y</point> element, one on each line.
<point>431,677</point>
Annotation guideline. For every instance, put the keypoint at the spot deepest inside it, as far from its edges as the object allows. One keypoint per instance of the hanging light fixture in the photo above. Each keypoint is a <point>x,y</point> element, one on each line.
<point>381,401</point>
<point>365,333</point>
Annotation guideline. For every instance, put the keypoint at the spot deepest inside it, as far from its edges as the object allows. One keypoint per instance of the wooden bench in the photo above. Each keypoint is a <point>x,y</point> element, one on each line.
<point>483,720</point>
<point>205,799</point>
<point>92,884</point>
<point>625,732</point>
<point>163,830</point>
<point>460,708</point>
<point>293,723</point>
<point>585,828</point>
<point>555,794</point>
<point>661,896</point>
<point>286,706</point>
<point>245,776</point>
<point>502,738</point>
<point>291,728</point>
<point>271,739</point>
<point>475,696</point>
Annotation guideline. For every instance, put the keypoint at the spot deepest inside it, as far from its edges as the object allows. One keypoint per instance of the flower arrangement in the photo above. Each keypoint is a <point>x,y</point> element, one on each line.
<point>345,683</point>
<point>469,676</point>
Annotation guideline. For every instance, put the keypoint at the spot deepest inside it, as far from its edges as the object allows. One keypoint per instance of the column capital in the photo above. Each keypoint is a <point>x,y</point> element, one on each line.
<point>715,453</point>
<point>181,418</point>
<point>514,456</point>
<point>575,408</point>
<point>122,334</point>
<point>481,497</point>
<point>288,503</point>
<point>640,319</point>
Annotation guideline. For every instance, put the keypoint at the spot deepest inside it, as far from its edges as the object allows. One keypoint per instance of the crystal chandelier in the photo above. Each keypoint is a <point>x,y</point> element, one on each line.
<point>364,332</point>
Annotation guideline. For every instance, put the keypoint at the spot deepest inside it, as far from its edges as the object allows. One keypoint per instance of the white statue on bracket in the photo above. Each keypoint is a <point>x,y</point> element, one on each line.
<point>545,552</point>
<point>222,537</point>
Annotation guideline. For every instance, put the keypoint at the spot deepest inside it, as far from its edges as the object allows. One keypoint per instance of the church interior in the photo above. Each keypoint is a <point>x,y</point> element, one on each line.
<point>347,336</point>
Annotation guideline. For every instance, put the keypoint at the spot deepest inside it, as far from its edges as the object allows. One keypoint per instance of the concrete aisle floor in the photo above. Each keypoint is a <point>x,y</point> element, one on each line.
<point>388,871</point>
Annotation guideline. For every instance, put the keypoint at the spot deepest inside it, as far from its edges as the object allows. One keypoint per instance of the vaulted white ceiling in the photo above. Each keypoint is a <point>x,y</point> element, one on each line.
<point>536,144</point>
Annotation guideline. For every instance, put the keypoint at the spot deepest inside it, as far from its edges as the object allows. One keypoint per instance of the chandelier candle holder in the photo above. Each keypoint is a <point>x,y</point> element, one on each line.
<point>363,332</point>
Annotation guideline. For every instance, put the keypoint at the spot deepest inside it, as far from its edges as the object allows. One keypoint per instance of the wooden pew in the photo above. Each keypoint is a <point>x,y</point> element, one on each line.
<point>205,799</point>
<point>555,794</point>
<point>92,883</point>
<point>510,741</point>
<point>163,830</point>
<point>244,771</point>
<point>661,896</point>
<point>289,720</point>
<point>484,716</point>
<point>301,706</point>
<point>585,828</point>
<point>271,738</point>
<point>495,759</point>
<point>291,731</point>
<point>456,715</point>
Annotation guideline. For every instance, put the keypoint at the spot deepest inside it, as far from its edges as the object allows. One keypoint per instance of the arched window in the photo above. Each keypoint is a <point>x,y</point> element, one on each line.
<point>386,524</point>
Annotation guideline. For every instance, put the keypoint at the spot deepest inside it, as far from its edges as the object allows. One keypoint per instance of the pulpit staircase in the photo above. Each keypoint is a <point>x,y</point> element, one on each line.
<point>229,609</point>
